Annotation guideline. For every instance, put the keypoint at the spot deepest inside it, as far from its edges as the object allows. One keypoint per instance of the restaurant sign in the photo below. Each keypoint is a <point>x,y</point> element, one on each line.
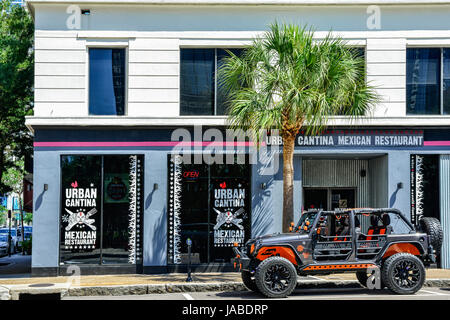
<point>356,138</point>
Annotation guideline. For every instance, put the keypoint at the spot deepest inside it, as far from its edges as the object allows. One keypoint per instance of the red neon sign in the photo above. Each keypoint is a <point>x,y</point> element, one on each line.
<point>191,174</point>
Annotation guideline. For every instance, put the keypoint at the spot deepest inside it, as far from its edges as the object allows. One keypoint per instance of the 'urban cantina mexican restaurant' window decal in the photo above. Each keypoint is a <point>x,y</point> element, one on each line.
<point>229,205</point>
<point>79,219</point>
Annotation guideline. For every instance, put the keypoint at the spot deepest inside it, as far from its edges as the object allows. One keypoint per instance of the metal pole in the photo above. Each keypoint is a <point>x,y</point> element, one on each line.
<point>22,229</point>
<point>9,233</point>
<point>189,244</point>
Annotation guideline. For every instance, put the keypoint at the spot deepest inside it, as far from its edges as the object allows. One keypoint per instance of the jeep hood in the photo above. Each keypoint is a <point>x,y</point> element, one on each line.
<point>278,237</point>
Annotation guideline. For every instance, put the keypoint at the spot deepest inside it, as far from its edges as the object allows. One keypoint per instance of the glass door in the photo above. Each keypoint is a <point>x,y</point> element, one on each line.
<point>342,198</point>
<point>315,198</point>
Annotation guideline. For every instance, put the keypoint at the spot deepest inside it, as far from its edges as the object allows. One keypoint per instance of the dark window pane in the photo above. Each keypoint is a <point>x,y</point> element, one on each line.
<point>423,81</point>
<point>80,209</point>
<point>222,101</point>
<point>194,213</point>
<point>446,80</point>
<point>116,209</point>
<point>197,81</point>
<point>106,81</point>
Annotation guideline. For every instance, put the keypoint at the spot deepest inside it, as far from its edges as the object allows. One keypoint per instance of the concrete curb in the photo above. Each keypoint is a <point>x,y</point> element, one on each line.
<point>14,292</point>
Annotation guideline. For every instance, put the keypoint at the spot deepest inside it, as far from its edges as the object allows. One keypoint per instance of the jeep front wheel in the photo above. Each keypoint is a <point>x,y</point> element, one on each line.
<point>276,277</point>
<point>403,273</point>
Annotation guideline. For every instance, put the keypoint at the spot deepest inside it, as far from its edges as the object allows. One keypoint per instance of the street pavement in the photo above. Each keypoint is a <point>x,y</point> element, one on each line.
<point>299,294</point>
<point>16,266</point>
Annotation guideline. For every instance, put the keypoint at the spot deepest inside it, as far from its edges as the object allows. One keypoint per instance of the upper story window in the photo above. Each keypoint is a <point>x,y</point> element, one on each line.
<point>428,81</point>
<point>106,81</point>
<point>200,93</point>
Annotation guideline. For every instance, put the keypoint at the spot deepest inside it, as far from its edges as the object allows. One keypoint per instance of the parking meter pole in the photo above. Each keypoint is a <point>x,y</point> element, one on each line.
<point>9,234</point>
<point>189,244</point>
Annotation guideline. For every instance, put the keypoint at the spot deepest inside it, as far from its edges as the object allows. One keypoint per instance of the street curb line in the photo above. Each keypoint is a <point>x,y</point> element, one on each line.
<point>140,289</point>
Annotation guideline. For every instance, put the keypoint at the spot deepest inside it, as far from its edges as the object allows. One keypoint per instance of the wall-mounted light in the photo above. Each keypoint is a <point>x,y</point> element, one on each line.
<point>363,173</point>
<point>400,185</point>
<point>263,186</point>
<point>45,187</point>
<point>155,186</point>
<point>86,12</point>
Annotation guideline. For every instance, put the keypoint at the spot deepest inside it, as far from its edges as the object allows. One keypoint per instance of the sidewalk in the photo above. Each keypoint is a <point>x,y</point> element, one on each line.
<point>12,288</point>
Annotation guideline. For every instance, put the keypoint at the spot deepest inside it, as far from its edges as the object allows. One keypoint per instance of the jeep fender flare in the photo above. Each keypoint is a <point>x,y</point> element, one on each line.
<point>284,250</point>
<point>412,247</point>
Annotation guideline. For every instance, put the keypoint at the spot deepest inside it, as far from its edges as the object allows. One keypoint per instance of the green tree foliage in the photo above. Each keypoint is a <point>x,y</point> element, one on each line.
<point>287,80</point>
<point>3,216</point>
<point>16,85</point>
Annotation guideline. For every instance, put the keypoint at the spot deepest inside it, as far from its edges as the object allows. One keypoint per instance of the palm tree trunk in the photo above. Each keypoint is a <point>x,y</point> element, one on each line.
<point>288,180</point>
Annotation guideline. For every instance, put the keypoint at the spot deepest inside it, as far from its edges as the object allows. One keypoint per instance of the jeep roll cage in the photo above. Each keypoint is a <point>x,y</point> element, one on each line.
<point>352,213</point>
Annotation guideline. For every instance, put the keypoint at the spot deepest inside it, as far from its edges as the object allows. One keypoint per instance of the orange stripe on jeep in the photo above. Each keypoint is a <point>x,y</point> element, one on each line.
<point>340,266</point>
<point>401,247</point>
<point>284,252</point>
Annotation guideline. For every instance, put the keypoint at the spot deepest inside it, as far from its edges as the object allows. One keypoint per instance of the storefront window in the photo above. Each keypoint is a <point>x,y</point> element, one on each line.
<point>81,209</point>
<point>101,209</point>
<point>209,204</point>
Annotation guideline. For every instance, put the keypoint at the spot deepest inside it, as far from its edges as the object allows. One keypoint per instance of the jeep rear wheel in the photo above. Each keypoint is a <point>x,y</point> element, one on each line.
<point>276,277</point>
<point>248,281</point>
<point>403,273</point>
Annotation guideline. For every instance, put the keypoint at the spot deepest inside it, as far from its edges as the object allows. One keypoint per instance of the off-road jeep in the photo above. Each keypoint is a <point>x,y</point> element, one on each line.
<point>380,245</point>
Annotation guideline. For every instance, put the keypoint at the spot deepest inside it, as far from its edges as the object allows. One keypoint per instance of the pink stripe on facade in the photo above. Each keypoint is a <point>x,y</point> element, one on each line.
<point>436,143</point>
<point>145,144</point>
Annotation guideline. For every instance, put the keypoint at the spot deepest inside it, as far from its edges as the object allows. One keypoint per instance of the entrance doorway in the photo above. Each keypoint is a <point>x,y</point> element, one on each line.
<point>329,198</point>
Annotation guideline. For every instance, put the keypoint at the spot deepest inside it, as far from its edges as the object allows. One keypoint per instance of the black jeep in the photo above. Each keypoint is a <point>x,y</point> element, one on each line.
<point>380,245</point>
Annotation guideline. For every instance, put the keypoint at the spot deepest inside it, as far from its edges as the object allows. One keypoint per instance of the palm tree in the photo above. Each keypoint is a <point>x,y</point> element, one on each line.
<point>288,81</point>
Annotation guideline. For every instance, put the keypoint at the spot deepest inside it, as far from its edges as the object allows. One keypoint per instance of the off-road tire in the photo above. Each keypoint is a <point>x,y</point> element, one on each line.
<point>397,268</point>
<point>433,228</point>
<point>362,277</point>
<point>248,281</point>
<point>268,274</point>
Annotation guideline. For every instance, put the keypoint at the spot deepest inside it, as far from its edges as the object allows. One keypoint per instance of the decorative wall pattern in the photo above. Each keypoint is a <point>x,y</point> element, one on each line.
<point>132,216</point>
<point>175,209</point>
<point>416,188</point>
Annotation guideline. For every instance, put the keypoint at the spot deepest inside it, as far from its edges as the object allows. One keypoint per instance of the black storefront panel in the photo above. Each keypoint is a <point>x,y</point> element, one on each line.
<point>101,220</point>
<point>209,204</point>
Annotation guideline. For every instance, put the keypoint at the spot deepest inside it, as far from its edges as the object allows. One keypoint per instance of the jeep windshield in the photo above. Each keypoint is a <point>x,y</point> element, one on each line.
<point>306,222</point>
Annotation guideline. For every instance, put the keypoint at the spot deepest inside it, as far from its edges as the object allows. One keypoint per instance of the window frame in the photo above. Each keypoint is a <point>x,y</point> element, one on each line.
<point>441,79</point>
<point>107,45</point>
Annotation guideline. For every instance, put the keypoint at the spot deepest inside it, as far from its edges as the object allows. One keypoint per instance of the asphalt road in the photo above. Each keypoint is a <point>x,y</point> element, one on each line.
<point>300,294</point>
<point>15,265</point>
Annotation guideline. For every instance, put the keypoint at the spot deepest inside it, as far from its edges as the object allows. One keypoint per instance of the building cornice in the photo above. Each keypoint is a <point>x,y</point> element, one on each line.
<point>250,2</point>
<point>186,121</point>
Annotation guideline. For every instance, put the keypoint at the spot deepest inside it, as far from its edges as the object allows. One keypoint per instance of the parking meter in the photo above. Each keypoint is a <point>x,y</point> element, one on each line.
<point>189,245</point>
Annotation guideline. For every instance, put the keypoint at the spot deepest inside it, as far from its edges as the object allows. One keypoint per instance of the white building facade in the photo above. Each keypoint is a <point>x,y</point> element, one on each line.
<point>115,79</point>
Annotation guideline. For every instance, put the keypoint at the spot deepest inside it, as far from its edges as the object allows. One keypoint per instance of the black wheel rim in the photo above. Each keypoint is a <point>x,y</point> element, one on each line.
<point>407,274</point>
<point>277,278</point>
